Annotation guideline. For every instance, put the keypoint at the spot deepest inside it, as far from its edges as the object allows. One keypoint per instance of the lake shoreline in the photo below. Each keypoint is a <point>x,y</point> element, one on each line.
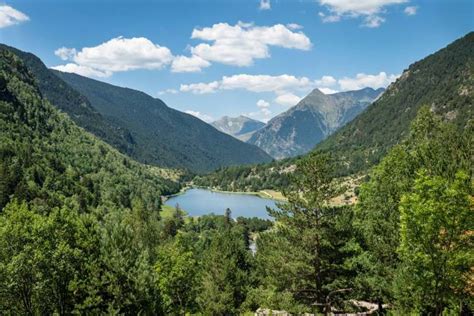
<point>264,194</point>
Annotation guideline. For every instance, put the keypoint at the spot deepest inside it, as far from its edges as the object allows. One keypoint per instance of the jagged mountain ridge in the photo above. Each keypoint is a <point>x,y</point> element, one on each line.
<point>315,117</point>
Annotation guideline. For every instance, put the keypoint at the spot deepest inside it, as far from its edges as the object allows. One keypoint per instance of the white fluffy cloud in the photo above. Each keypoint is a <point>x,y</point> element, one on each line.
<point>122,54</point>
<point>285,86</point>
<point>410,10</point>
<point>369,10</point>
<point>362,80</point>
<point>241,44</point>
<point>188,64</point>
<point>117,54</point>
<point>264,83</point>
<point>65,53</point>
<point>263,112</point>
<point>200,88</point>
<point>10,16</point>
<point>262,104</point>
<point>287,99</point>
<point>253,83</point>
<point>294,26</point>
<point>201,116</point>
<point>265,5</point>
<point>82,70</point>
<point>326,81</point>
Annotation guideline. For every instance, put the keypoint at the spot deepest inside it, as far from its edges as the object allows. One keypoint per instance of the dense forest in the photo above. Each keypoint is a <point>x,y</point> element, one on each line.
<point>81,231</point>
<point>273,175</point>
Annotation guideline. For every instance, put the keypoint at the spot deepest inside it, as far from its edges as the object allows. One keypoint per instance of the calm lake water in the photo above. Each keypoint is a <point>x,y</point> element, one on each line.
<point>200,202</point>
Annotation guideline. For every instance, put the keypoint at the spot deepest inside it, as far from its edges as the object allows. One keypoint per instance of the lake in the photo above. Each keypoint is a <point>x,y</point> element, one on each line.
<point>198,202</point>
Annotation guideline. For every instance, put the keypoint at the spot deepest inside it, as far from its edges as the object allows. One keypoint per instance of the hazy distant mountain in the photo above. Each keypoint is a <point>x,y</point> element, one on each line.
<point>240,127</point>
<point>318,115</point>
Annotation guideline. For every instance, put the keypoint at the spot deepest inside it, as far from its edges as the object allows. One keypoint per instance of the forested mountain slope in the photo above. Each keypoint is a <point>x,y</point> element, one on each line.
<point>165,136</point>
<point>315,117</point>
<point>444,81</point>
<point>151,132</point>
<point>78,107</point>
<point>46,158</point>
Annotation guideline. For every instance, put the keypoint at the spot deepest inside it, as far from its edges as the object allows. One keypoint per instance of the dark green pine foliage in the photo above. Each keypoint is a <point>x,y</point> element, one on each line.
<point>444,81</point>
<point>302,261</point>
<point>226,265</point>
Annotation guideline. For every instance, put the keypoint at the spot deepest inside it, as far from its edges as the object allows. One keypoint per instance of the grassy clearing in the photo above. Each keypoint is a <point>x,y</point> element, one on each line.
<point>272,194</point>
<point>167,211</point>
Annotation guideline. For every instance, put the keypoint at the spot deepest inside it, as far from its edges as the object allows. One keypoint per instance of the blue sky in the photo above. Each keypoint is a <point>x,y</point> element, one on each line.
<point>232,57</point>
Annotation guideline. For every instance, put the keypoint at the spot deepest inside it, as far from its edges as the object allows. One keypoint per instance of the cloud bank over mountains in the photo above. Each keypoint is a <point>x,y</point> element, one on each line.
<point>236,45</point>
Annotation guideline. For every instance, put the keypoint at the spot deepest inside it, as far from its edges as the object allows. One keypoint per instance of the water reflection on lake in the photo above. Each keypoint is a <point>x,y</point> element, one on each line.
<point>201,201</point>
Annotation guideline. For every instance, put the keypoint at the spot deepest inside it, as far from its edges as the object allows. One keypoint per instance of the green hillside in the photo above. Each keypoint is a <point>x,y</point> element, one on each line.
<point>138,125</point>
<point>46,158</point>
<point>165,136</point>
<point>78,107</point>
<point>444,81</point>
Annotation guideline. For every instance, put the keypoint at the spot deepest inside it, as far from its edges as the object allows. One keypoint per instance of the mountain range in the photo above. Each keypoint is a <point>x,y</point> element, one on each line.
<point>443,81</point>
<point>141,126</point>
<point>240,127</point>
<point>314,118</point>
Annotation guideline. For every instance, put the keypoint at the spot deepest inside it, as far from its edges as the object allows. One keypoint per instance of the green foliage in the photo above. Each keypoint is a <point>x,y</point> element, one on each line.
<point>249,178</point>
<point>177,269</point>
<point>305,255</point>
<point>225,274</point>
<point>377,214</point>
<point>436,222</point>
<point>40,256</point>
